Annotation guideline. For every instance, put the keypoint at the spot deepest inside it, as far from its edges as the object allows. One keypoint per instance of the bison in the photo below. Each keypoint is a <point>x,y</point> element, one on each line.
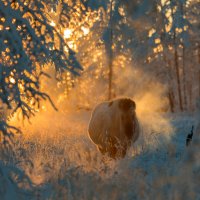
<point>114,127</point>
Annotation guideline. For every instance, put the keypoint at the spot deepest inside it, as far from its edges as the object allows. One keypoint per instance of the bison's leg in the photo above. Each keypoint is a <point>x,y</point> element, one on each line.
<point>123,152</point>
<point>113,148</point>
<point>116,152</point>
<point>112,152</point>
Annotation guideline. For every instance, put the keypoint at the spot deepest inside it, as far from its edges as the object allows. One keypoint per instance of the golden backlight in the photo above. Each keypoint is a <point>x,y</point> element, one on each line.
<point>67,33</point>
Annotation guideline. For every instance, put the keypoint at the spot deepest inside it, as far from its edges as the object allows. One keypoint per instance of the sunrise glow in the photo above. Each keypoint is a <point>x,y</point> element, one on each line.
<point>99,99</point>
<point>12,80</point>
<point>52,23</point>
<point>85,30</point>
<point>67,33</point>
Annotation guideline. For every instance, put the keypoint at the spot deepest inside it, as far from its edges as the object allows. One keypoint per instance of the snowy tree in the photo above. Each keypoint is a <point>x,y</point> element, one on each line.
<point>123,36</point>
<point>171,38</point>
<point>28,40</point>
<point>192,52</point>
<point>153,35</point>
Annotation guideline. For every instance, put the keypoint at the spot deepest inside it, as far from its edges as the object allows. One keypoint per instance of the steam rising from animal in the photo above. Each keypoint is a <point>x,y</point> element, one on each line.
<point>114,127</point>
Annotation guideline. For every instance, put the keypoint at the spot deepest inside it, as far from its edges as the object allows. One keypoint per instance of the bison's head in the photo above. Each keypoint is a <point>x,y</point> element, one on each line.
<point>128,116</point>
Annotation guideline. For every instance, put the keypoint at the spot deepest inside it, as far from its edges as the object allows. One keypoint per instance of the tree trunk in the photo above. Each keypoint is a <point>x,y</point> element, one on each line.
<point>171,100</point>
<point>184,79</point>
<point>199,83</point>
<point>178,77</point>
<point>183,65</point>
<point>190,96</point>
<point>110,64</point>
<point>199,66</point>
<point>170,93</point>
<point>176,64</point>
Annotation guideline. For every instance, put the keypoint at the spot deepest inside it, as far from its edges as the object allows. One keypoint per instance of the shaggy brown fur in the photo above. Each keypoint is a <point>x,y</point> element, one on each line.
<point>114,127</point>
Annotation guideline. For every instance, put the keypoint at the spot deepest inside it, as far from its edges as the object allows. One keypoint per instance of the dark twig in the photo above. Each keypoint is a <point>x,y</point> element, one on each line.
<point>189,137</point>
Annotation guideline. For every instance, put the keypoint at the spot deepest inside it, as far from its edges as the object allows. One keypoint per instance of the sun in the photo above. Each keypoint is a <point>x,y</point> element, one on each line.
<point>67,33</point>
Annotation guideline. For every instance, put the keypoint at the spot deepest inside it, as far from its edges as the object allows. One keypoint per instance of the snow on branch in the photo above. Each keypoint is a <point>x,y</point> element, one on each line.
<point>27,42</point>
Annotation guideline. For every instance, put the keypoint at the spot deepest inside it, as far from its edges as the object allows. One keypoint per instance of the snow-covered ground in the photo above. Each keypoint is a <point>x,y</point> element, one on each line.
<point>55,159</point>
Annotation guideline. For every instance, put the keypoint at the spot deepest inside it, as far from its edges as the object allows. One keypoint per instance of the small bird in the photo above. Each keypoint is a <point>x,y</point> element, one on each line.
<point>189,137</point>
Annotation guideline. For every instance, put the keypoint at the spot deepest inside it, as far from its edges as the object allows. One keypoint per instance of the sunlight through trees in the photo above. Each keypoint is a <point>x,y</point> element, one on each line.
<point>102,37</point>
<point>70,55</point>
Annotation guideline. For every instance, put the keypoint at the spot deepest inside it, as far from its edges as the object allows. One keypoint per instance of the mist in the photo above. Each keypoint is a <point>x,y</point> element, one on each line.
<point>71,119</point>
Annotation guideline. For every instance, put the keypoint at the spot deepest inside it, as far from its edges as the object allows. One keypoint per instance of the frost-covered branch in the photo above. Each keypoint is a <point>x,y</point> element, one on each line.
<point>27,42</point>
